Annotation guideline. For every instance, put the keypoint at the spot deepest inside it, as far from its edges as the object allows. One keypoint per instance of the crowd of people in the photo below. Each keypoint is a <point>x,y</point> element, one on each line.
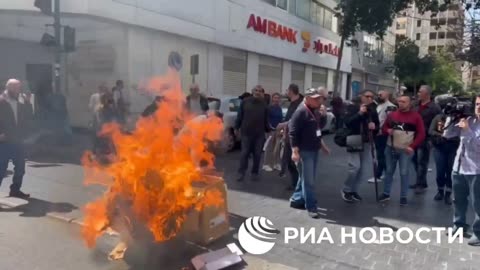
<point>373,129</point>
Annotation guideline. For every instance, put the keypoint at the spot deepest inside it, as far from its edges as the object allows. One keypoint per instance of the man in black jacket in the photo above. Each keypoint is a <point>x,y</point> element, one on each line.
<point>296,99</point>
<point>252,123</point>
<point>15,116</point>
<point>305,132</point>
<point>362,122</point>
<point>428,110</point>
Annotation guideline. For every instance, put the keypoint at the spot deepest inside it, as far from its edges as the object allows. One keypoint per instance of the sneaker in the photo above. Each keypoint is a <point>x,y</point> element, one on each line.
<point>277,167</point>
<point>347,197</point>
<point>372,180</point>
<point>267,168</point>
<point>384,198</point>
<point>448,199</point>
<point>403,201</point>
<point>356,197</point>
<point>474,241</point>
<point>296,205</point>
<point>19,194</point>
<point>439,196</point>
<point>314,214</point>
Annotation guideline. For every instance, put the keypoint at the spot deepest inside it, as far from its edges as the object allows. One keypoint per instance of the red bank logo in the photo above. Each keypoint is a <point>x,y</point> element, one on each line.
<point>282,32</point>
<point>272,29</point>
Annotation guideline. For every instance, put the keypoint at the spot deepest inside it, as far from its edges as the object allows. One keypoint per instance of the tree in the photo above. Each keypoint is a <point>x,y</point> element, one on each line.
<point>409,67</point>
<point>373,16</point>
<point>445,76</point>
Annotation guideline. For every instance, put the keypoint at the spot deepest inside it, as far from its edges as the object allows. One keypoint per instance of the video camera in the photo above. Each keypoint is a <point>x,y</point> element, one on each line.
<point>458,111</point>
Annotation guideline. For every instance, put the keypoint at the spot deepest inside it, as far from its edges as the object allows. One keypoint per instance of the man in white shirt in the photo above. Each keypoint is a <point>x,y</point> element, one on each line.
<point>384,107</point>
<point>15,116</point>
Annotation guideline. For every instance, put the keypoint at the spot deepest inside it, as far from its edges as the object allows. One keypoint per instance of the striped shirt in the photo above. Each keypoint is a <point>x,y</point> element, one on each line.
<point>467,161</point>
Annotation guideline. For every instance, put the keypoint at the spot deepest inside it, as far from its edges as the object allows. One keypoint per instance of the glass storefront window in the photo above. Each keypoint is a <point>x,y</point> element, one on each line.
<point>303,9</point>
<point>320,15</point>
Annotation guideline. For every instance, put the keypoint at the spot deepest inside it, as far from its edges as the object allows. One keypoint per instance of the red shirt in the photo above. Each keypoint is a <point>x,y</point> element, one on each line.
<point>410,117</point>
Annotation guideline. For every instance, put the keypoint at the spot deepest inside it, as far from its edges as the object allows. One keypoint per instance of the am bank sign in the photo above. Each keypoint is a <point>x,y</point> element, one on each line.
<point>287,34</point>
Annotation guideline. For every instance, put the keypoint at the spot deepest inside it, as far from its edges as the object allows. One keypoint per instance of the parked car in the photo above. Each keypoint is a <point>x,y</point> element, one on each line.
<point>329,126</point>
<point>228,106</point>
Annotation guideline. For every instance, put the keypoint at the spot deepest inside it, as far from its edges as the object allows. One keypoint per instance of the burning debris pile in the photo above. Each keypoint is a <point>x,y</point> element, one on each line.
<point>155,175</point>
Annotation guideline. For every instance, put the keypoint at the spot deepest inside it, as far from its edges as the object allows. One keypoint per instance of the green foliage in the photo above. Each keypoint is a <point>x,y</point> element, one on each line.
<point>445,76</point>
<point>409,67</point>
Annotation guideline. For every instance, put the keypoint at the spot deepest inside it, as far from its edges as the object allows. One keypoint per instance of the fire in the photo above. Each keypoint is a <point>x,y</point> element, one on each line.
<point>155,168</point>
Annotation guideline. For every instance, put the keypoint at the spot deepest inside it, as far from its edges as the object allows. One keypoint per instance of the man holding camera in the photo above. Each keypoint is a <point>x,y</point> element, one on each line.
<point>444,135</point>
<point>466,175</point>
<point>361,121</point>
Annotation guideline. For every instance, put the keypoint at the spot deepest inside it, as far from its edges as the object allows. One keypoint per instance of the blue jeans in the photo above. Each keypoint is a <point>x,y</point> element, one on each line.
<point>444,155</point>
<point>421,160</point>
<point>360,166</point>
<point>392,157</point>
<point>466,187</point>
<point>15,153</point>
<point>305,190</point>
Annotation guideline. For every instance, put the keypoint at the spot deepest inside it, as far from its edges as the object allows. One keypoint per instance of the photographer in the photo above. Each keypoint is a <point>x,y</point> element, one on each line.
<point>466,174</point>
<point>360,119</point>
<point>445,140</point>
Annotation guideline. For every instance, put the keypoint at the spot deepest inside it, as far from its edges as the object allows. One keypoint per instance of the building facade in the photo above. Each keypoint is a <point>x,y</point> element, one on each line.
<point>372,63</point>
<point>239,43</point>
<point>431,34</point>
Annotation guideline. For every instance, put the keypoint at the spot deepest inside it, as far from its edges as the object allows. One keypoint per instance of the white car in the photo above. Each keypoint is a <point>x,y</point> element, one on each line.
<point>228,106</point>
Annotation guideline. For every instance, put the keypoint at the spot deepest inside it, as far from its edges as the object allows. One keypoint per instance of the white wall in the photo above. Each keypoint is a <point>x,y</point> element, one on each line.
<point>217,21</point>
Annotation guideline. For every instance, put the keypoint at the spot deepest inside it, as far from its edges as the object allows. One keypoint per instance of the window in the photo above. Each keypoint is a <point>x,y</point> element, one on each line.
<point>320,15</point>
<point>303,9</point>
<point>419,23</point>
<point>431,49</point>
<point>418,36</point>
<point>401,25</point>
<point>433,35</point>
<point>441,35</point>
<point>328,20</point>
<point>452,35</point>
<point>292,6</point>
<point>283,4</point>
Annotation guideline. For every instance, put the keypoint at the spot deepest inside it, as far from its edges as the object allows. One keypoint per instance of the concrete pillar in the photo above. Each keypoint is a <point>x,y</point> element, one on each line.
<point>214,70</point>
<point>286,74</point>
<point>343,90</point>
<point>308,77</point>
<point>253,62</point>
<point>331,79</point>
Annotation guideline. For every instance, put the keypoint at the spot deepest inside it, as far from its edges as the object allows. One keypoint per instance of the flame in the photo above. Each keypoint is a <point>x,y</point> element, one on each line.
<point>155,167</point>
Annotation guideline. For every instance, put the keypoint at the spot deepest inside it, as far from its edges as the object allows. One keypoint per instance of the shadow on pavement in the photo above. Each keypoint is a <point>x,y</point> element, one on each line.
<point>40,208</point>
<point>332,171</point>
